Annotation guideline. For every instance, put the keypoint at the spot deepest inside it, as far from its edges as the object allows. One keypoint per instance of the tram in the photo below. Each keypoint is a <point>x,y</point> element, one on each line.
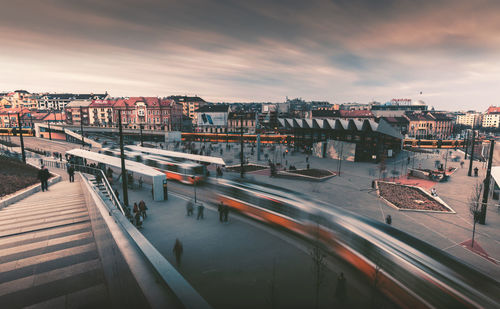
<point>409,271</point>
<point>26,131</point>
<point>182,171</point>
<point>433,143</point>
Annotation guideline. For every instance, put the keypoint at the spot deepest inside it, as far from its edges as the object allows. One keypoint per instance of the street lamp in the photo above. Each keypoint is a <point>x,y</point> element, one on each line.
<point>194,186</point>
<point>140,128</point>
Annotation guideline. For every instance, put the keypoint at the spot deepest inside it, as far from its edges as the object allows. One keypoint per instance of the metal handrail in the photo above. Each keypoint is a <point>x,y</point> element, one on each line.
<point>107,185</point>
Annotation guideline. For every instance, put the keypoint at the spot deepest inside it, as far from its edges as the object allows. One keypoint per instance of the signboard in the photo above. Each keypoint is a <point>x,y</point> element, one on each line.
<point>212,119</point>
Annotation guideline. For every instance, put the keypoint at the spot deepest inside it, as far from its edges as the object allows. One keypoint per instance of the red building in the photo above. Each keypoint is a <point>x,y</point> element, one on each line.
<point>151,112</point>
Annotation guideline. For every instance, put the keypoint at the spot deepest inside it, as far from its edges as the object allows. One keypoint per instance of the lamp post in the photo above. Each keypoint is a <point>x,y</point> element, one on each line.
<point>194,187</point>
<point>81,127</point>
<point>484,204</point>
<point>140,130</point>
<point>21,137</point>
<point>471,153</point>
<point>48,124</point>
<point>242,168</point>
<point>122,159</point>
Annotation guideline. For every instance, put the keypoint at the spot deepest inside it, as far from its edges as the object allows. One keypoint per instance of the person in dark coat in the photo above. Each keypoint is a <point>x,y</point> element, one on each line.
<point>220,209</point>
<point>136,209</point>
<point>138,220</point>
<point>190,208</point>
<point>178,250</point>
<point>226,212</point>
<point>43,175</point>
<point>340,291</point>
<point>142,209</point>
<point>71,173</point>
<point>200,209</point>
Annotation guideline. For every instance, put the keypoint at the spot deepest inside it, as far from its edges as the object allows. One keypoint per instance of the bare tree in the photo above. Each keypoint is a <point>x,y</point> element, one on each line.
<point>318,264</point>
<point>475,207</point>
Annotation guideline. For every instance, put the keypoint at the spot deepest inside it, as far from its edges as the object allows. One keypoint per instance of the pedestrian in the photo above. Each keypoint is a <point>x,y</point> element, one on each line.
<point>71,173</point>
<point>117,194</point>
<point>138,220</point>
<point>307,165</point>
<point>307,159</point>
<point>189,208</point>
<point>201,208</point>
<point>178,249</point>
<point>140,182</point>
<point>136,209</point>
<point>388,219</point>
<point>462,164</point>
<point>142,209</point>
<point>220,209</point>
<point>340,291</point>
<point>434,192</point>
<point>226,212</point>
<point>43,175</point>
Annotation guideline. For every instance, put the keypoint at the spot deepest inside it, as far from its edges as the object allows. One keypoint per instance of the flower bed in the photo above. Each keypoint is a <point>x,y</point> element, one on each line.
<point>15,175</point>
<point>313,172</point>
<point>409,198</point>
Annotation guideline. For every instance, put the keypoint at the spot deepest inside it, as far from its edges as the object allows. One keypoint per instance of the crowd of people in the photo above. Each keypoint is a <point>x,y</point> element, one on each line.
<point>140,214</point>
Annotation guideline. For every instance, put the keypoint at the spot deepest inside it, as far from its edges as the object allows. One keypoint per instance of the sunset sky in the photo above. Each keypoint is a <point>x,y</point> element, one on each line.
<point>259,50</point>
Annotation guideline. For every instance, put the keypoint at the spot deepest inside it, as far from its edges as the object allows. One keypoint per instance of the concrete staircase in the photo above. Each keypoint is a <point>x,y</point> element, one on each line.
<point>48,255</point>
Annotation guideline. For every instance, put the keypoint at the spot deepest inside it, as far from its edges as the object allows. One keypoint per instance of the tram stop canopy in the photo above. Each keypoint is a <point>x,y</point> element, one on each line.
<point>157,177</point>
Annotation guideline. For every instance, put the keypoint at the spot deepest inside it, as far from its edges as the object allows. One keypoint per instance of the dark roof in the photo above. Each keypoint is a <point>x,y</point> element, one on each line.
<point>419,116</point>
<point>356,113</point>
<point>89,96</point>
<point>325,113</point>
<point>183,98</point>
<point>441,116</point>
<point>395,120</point>
<point>22,91</point>
<point>217,108</point>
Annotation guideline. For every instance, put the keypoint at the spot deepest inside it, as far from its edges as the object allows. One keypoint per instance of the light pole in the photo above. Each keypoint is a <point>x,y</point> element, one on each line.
<point>242,168</point>
<point>471,153</point>
<point>81,126</point>
<point>122,159</point>
<point>140,129</point>
<point>482,214</point>
<point>194,187</point>
<point>21,137</point>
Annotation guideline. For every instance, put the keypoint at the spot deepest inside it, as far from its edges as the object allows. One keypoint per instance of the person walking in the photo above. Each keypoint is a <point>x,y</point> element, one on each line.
<point>220,209</point>
<point>142,209</point>
<point>71,173</point>
<point>340,291</point>
<point>43,175</point>
<point>388,219</point>
<point>178,250</point>
<point>136,209</point>
<point>138,220</point>
<point>200,208</point>
<point>226,213</point>
<point>189,208</point>
<point>140,182</point>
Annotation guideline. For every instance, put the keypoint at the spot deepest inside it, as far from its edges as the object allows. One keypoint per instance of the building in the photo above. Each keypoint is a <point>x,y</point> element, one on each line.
<point>470,119</point>
<point>356,114</point>
<point>270,112</point>
<point>77,112</point>
<point>101,113</point>
<point>8,116</point>
<point>491,120</point>
<point>399,105</point>
<point>398,123</point>
<point>212,118</point>
<point>236,121</point>
<point>429,125</point>
<point>189,105</point>
<point>354,106</point>
<point>57,101</point>
<point>364,140</point>
<point>151,113</point>
<point>324,114</point>
<point>493,110</point>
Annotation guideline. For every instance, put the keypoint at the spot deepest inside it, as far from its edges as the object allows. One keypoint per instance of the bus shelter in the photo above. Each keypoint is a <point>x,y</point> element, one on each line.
<point>158,179</point>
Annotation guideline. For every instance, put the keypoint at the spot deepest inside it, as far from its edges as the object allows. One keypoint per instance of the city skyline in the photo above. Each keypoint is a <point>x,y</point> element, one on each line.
<point>338,51</point>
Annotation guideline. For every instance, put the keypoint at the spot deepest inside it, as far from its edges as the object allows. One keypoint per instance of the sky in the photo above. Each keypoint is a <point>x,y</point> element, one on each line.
<point>259,50</point>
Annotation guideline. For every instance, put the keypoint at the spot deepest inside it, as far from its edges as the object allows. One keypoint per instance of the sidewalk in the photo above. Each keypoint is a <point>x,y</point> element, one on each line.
<point>231,264</point>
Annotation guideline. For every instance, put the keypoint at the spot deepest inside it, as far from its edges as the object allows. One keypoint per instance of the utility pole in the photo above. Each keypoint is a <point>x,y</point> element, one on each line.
<point>21,137</point>
<point>242,168</point>
<point>446,162</point>
<point>484,205</point>
<point>50,133</point>
<point>471,153</point>
<point>81,127</point>
<point>122,158</point>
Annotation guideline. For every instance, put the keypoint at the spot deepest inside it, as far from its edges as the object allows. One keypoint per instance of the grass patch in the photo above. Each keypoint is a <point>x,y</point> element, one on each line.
<point>15,175</point>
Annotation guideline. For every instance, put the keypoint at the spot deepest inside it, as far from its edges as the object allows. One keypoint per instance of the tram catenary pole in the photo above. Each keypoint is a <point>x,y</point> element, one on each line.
<point>466,142</point>
<point>142,141</point>
<point>242,168</point>
<point>122,159</point>
<point>21,137</point>
<point>471,153</point>
<point>484,205</point>
<point>81,126</point>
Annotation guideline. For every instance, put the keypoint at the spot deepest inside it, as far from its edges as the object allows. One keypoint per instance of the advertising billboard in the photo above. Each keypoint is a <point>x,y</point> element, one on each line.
<point>212,119</point>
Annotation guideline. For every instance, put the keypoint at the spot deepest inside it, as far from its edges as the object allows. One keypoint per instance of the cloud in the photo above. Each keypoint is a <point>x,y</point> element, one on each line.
<point>256,50</point>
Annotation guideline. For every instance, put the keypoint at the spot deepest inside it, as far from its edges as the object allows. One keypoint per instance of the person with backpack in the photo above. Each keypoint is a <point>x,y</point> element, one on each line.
<point>142,209</point>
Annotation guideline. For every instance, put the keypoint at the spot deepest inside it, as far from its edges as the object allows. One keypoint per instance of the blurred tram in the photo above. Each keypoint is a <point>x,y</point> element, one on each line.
<point>182,171</point>
<point>410,272</point>
<point>27,131</point>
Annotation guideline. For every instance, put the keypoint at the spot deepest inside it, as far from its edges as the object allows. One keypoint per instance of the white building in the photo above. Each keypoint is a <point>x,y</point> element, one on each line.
<point>470,119</point>
<point>491,121</point>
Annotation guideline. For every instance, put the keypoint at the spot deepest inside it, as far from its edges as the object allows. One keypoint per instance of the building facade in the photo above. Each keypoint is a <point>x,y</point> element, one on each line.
<point>189,105</point>
<point>101,113</point>
<point>77,112</point>
<point>212,118</point>
<point>472,120</point>
<point>491,121</point>
<point>236,121</point>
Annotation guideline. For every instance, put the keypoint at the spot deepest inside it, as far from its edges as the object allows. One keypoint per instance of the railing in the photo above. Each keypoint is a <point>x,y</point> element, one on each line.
<point>95,171</point>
